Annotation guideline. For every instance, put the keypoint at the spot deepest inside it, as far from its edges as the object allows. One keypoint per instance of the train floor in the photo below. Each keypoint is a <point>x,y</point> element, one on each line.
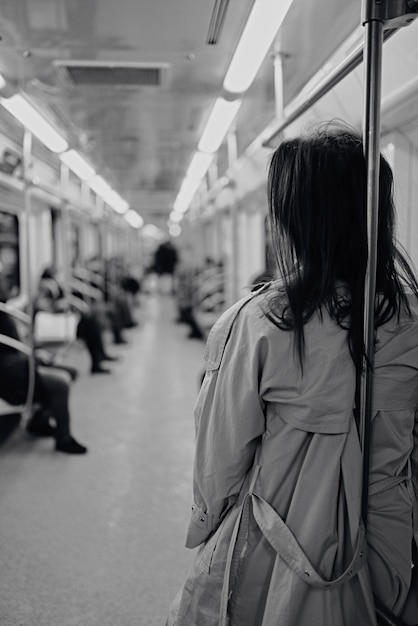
<point>97,540</point>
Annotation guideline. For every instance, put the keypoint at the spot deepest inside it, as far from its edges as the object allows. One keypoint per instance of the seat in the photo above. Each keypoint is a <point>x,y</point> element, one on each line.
<point>22,319</point>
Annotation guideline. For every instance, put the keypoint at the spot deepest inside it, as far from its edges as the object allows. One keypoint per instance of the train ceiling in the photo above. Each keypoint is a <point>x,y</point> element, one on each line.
<point>132,82</point>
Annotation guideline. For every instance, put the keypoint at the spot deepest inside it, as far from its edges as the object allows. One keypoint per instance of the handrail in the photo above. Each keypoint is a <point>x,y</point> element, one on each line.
<point>341,71</point>
<point>87,290</point>
<point>24,348</point>
<point>15,344</point>
<point>20,315</point>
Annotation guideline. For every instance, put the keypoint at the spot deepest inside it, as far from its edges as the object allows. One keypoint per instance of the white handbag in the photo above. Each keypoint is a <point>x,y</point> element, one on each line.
<point>55,327</point>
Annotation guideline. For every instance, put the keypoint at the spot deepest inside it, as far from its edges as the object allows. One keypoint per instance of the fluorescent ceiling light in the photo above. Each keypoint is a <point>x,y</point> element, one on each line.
<point>35,122</point>
<point>174,230</point>
<point>117,203</point>
<point>259,32</point>
<point>199,165</point>
<point>185,195</point>
<point>134,219</point>
<point>153,231</point>
<point>100,186</point>
<point>78,164</point>
<point>220,119</point>
<point>175,216</point>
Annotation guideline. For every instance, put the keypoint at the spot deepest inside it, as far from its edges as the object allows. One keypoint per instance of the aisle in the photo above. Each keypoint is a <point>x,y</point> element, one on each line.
<point>98,540</point>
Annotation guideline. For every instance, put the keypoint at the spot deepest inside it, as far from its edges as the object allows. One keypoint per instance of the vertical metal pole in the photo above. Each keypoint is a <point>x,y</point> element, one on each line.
<point>371,142</point>
<point>27,156</point>
<point>278,84</point>
<point>232,157</point>
<point>65,225</point>
<point>102,233</point>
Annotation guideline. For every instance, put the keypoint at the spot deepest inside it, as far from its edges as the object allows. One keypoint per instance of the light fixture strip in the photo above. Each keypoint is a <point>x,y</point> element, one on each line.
<point>199,165</point>
<point>220,119</point>
<point>27,115</point>
<point>116,202</point>
<point>99,186</point>
<point>134,219</point>
<point>259,32</point>
<point>78,164</point>
<point>184,197</point>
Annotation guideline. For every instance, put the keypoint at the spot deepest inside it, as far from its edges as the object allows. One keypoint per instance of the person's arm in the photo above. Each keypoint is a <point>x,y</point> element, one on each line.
<point>229,422</point>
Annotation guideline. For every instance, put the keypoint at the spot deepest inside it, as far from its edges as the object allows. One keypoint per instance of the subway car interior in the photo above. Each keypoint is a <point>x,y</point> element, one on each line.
<point>135,139</point>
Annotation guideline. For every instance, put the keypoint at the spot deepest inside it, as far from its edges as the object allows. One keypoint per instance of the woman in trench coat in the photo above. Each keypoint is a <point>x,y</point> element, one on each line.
<point>277,473</point>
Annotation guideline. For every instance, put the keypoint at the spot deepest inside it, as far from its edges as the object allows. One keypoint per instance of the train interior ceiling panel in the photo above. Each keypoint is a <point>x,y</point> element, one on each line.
<point>130,89</point>
<point>125,125</point>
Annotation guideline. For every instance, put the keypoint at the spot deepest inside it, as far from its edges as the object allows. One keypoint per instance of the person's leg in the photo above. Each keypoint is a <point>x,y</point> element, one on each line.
<point>97,346</point>
<point>90,333</point>
<point>116,324</point>
<point>72,371</point>
<point>39,425</point>
<point>125,312</point>
<point>189,318</point>
<point>54,395</point>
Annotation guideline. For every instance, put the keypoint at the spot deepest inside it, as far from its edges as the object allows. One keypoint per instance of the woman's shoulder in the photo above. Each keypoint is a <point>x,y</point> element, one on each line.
<point>247,306</point>
<point>245,311</point>
<point>248,317</point>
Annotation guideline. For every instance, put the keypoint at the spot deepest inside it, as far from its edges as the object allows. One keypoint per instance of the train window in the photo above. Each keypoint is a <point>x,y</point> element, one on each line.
<point>9,251</point>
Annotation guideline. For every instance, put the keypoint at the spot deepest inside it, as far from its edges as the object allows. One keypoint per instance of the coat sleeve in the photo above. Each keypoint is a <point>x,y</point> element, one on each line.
<point>229,422</point>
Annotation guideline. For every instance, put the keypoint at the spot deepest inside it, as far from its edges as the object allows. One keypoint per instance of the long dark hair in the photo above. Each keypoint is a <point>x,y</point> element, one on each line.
<point>317,210</point>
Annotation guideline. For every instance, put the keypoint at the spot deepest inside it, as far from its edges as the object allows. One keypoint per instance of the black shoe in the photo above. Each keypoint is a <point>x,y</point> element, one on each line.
<point>107,357</point>
<point>70,446</point>
<point>131,324</point>
<point>98,369</point>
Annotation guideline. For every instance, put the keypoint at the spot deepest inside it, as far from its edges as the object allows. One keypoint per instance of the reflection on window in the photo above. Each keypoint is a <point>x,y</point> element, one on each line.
<point>9,251</point>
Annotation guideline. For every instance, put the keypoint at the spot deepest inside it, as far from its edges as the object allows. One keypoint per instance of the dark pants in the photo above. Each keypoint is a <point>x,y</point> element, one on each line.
<point>187,316</point>
<point>52,390</point>
<point>89,331</point>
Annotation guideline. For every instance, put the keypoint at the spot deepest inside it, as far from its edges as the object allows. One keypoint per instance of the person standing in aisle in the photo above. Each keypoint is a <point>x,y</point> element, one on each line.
<point>165,263</point>
<point>277,475</point>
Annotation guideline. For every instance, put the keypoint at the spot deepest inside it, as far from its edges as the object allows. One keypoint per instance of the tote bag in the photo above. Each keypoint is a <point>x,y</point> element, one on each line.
<point>55,327</point>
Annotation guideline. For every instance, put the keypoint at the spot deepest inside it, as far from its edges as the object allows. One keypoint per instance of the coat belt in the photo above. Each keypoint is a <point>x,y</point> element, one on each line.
<point>281,538</point>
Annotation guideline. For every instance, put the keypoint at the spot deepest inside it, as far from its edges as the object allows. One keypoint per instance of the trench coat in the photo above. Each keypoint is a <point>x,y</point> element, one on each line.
<point>277,476</point>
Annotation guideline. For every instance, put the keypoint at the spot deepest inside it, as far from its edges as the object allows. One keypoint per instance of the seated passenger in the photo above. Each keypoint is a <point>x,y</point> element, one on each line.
<point>117,304</point>
<point>51,390</point>
<point>186,296</point>
<point>51,297</point>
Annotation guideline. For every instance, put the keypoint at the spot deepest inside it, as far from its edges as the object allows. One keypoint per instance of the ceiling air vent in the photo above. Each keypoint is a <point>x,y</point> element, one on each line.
<point>115,74</point>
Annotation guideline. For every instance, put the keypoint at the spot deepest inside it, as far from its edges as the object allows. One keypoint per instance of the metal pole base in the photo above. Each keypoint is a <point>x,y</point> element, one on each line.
<point>392,13</point>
